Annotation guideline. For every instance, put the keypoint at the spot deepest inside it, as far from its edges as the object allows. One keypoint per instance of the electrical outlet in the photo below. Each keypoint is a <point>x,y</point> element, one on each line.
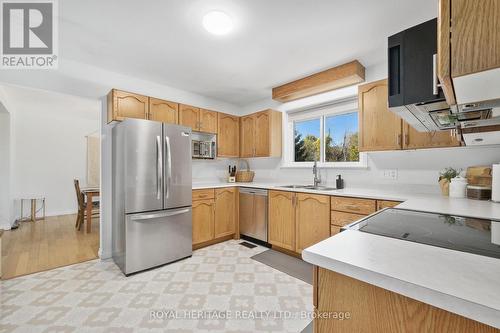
<point>391,174</point>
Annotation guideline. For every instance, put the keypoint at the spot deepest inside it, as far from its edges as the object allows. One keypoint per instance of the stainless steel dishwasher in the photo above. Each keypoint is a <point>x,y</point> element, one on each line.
<point>253,213</point>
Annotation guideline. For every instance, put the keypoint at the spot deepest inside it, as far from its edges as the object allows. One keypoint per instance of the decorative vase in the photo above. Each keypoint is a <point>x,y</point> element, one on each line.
<point>445,187</point>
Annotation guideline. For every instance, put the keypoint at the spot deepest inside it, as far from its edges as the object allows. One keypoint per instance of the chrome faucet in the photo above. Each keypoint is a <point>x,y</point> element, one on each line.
<point>317,178</point>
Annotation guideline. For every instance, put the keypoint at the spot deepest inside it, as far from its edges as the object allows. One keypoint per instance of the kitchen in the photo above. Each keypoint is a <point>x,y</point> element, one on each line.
<point>354,193</point>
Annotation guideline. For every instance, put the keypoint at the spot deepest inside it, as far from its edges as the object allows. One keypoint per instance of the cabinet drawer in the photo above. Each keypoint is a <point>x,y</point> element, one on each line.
<point>354,205</point>
<point>203,194</point>
<point>381,204</point>
<point>340,219</point>
<point>334,230</point>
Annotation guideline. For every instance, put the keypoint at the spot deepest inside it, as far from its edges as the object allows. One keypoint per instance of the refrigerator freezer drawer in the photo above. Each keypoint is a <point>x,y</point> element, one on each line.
<point>157,238</point>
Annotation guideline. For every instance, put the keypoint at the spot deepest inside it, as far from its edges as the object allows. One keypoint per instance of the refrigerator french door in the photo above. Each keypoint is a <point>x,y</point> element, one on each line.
<point>151,194</point>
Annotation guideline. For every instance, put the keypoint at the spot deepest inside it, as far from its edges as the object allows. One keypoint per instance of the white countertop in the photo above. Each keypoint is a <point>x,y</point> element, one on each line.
<point>426,202</point>
<point>459,282</point>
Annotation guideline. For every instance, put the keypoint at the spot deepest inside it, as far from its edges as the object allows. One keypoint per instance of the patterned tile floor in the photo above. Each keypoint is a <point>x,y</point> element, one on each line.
<point>218,281</point>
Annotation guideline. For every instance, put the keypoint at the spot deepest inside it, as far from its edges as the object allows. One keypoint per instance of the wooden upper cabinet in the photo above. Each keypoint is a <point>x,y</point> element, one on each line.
<point>263,123</point>
<point>379,128</point>
<point>468,43</point>
<point>247,136</point>
<point>414,139</point>
<point>225,211</point>
<point>261,134</point>
<point>208,121</point>
<point>312,214</point>
<point>444,51</point>
<point>189,116</point>
<point>228,128</point>
<point>475,36</point>
<point>281,226</point>
<point>122,105</point>
<point>164,111</point>
<point>203,221</point>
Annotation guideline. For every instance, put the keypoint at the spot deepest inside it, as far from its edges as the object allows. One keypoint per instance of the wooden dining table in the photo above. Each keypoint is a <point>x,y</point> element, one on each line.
<point>90,194</point>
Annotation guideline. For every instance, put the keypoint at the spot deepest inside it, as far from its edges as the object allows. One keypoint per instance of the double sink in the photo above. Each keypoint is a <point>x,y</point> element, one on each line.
<point>310,187</point>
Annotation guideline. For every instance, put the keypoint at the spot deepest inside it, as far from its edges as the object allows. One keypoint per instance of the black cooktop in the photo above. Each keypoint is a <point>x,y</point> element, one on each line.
<point>448,231</point>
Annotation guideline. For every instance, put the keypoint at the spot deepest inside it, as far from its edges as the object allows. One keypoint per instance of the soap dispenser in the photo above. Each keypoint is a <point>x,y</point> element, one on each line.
<point>340,182</point>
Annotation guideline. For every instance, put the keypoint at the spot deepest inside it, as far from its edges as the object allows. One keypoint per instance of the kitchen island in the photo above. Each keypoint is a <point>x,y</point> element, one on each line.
<point>392,285</point>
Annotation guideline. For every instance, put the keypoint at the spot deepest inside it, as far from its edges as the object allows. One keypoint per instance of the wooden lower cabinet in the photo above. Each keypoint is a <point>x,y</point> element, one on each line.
<point>225,211</point>
<point>374,309</point>
<point>341,219</point>
<point>354,205</point>
<point>312,219</point>
<point>334,230</point>
<point>381,204</point>
<point>203,221</point>
<point>298,220</point>
<point>214,215</point>
<point>281,224</point>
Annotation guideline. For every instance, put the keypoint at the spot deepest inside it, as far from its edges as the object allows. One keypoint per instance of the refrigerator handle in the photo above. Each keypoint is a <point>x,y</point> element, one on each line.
<point>159,161</point>
<point>143,217</point>
<point>169,165</point>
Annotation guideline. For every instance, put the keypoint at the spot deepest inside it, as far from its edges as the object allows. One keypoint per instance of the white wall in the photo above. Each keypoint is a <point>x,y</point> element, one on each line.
<point>79,79</point>
<point>6,148</point>
<point>49,145</point>
<point>417,169</point>
<point>5,206</point>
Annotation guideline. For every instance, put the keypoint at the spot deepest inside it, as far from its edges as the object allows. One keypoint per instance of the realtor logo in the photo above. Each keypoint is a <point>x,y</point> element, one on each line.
<point>29,34</point>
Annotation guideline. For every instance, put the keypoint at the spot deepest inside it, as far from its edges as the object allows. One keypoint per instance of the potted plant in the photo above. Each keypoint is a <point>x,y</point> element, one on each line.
<point>445,177</point>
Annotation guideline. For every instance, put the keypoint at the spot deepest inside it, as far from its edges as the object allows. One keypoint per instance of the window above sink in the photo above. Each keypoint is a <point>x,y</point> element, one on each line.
<point>328,134</point>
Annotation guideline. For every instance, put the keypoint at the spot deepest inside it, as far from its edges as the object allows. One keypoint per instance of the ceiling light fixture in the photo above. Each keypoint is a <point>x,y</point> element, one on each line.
<point>217,23</point>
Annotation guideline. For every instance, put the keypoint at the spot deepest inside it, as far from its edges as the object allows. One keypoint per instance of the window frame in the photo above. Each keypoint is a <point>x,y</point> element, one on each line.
<point>319,112</point>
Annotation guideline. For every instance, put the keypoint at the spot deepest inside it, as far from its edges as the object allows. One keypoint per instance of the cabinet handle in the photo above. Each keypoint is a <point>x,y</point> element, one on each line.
<point>352,207</point>
<point>398,139</point>
<point>202,195</point>
<point>407,139</point>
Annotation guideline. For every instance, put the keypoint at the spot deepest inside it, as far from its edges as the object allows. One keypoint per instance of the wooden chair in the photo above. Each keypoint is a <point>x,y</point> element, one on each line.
<point>80,218</point>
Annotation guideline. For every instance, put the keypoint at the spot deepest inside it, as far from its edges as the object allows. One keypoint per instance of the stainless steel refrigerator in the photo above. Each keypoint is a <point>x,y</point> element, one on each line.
<point>152,184</point>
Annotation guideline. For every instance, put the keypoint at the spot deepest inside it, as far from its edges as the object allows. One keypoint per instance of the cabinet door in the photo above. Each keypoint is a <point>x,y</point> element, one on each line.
<point>475,36</point>
<point>380,129</point>
<point>414,139</point>
<point>228,134</point>
<point>208,121</point>
<point>128,105</point>
<point>340,219</point>
<point>225,212</point>
<point>203,221</point>
<point>189,116</point>
<point>247,136</point>
<point>164,111</point>
<point>281,228</point>
<point>262,134</point>
<point>312,214</point>
<point>381,204</point>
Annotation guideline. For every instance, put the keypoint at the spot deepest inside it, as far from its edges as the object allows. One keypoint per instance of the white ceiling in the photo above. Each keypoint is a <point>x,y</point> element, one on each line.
<point>274,41</point>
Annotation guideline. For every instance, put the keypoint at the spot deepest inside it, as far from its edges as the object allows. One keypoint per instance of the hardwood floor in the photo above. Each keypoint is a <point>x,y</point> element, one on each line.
<point>47,244</point>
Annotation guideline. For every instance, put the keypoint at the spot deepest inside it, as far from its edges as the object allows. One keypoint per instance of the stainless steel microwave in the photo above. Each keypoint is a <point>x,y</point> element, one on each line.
<point>203,146</point>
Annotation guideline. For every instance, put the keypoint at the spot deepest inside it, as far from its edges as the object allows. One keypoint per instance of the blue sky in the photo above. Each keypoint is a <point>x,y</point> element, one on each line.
<point>337,126</point>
